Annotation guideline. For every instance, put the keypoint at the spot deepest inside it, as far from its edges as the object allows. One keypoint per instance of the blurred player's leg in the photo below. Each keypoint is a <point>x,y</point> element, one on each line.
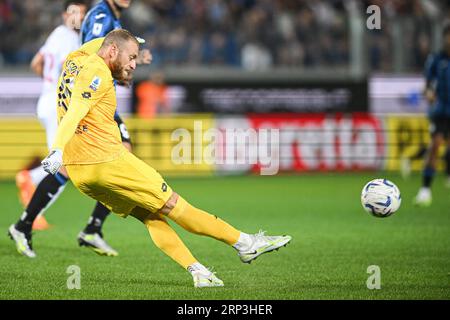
<point>22,240</point>
<point>26,182</point>
<point>92,235</point>
<point>96,242</point>
<point>97,218</point>
<point>44,196</point>
<point>167,240</point>
<point>26,186</point>
<point>40,223</point>
<point>47,117</point>
<point>424,197</point>
<point>46,191</point>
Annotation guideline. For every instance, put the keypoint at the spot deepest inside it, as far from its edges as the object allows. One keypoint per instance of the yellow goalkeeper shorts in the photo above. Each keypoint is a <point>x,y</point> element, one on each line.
<point>122,184</point>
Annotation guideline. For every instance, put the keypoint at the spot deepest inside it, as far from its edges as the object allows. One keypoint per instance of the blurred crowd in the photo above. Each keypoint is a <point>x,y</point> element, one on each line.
<point>249,34</point>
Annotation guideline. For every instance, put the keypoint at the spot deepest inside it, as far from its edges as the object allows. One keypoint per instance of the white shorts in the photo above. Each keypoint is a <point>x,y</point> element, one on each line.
<point>46,112</point>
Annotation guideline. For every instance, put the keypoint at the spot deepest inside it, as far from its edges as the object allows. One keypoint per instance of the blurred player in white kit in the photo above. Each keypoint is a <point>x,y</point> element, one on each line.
<point>47,64</point>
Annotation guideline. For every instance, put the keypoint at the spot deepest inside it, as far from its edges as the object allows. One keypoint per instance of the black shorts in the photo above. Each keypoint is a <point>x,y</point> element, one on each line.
<point>123,129</point>
<point>440,126</point>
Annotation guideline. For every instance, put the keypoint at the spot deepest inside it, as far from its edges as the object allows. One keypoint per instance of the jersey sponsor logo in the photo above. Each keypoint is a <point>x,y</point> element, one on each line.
<point>71,67</point>
<point>95,83</point>
<point>164,187</point>
<point>100,15</point>
<point>86,95</point>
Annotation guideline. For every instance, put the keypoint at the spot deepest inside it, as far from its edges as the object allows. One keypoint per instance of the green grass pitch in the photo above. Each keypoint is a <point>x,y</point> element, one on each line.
<point>334,242</point>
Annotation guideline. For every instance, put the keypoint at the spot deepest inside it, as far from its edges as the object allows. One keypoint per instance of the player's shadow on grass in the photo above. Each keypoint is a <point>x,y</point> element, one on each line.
<point>139,282</point>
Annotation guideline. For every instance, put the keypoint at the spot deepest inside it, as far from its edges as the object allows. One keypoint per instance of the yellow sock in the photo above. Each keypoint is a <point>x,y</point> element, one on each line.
<point>164,237</point>
<point>200,222</point>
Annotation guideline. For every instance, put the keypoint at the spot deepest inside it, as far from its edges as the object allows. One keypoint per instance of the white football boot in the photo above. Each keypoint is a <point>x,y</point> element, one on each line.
<point>23,242</point>
<point>96,242</point>
<point>202,280</point>
<point>423,197</point>
<point>204,277</point>
<point>260,243</point>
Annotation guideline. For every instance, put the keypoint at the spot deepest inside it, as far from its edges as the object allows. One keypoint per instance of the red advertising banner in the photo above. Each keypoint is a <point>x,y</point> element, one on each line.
<point>321,142</point>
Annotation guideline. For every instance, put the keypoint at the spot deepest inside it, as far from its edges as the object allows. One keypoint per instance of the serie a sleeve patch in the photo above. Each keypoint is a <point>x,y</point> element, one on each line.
<point>95,83</point>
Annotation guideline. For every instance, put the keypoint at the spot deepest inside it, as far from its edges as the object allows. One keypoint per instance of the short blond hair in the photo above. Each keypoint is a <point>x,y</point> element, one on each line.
<point>119,37</point>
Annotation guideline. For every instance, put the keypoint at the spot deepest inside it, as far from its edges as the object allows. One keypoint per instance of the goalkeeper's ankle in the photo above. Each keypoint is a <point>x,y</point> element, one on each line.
<point>244,242</point>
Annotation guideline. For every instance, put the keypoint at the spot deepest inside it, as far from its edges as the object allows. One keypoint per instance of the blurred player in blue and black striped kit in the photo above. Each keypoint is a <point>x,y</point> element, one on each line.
<point>100,20</point>
<point>437,93</point>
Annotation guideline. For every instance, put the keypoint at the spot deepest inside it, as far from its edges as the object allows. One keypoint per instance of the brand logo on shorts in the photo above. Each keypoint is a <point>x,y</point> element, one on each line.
<point>164,187</point>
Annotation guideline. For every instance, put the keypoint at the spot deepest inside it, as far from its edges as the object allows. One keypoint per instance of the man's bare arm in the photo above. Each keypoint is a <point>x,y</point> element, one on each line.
<point>37,64</point>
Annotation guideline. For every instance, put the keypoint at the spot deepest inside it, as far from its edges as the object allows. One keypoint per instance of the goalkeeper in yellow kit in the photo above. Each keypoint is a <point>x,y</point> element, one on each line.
<point>88,143</point>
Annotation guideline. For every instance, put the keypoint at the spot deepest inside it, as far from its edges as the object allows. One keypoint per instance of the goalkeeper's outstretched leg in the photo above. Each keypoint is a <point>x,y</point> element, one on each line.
<point>197,221</point>
<point>200,222</point>
<point>167,240</point>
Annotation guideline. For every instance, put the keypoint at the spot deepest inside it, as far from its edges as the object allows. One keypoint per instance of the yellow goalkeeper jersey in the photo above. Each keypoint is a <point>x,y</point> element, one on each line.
<point>86,95</point>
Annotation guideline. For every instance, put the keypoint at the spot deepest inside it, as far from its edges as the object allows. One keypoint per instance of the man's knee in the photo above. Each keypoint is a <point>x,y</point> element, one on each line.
<point>140,213</point>
<point>170,204</point>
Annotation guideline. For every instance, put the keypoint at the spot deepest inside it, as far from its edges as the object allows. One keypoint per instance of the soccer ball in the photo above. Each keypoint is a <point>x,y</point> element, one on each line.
<point>381,198</point>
